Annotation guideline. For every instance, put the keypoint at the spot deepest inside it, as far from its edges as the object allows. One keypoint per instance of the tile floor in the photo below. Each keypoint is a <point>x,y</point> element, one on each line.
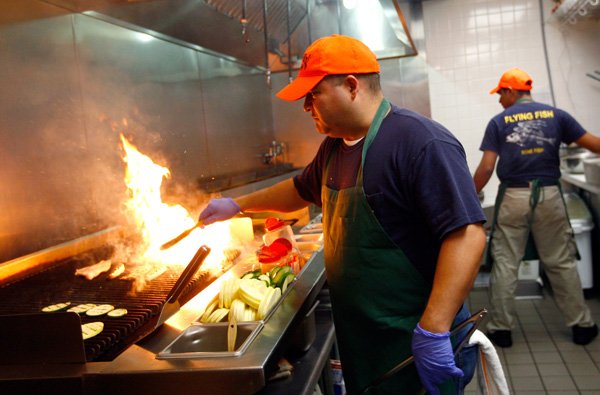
<point>543,359</point>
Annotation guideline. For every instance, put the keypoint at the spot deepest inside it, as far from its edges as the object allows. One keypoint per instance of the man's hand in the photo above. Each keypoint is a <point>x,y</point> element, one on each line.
<point>219,210</point>
<point>434,358</point>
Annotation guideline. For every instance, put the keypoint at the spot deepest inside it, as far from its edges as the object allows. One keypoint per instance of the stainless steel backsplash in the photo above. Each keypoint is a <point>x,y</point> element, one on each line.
<point>71,84</point>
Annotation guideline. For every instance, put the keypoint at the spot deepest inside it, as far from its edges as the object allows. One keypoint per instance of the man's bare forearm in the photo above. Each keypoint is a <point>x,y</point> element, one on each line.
<point>458,265</point>
<point>281,197</point>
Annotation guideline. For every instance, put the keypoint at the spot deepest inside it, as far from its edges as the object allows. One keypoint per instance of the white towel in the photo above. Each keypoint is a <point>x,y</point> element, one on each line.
<point>489,369</point>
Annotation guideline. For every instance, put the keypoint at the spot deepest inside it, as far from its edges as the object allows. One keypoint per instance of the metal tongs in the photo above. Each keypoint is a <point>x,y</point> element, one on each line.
<point>173,304</point>
<point>475,320</point>
<point>182,236</point>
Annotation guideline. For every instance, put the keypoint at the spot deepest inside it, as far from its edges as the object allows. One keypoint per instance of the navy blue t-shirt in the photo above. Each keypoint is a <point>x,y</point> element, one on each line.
<point>527,136</point>
<point>415,179</point>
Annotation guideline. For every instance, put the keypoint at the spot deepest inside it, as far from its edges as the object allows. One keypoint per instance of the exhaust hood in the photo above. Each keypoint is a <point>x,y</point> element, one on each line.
<point>268,34</point>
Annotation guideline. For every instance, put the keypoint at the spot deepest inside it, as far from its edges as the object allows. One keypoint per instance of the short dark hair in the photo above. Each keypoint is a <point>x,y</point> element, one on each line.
<point>372,79</point>
<point>519,92</point>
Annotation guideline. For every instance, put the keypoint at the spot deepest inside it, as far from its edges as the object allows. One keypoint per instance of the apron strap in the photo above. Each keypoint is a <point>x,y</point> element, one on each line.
<point>534,198</point>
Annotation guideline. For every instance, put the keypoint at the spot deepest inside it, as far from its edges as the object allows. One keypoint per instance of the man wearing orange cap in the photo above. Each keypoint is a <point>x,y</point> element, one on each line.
<point>526,137</point>
<point>401,221</point>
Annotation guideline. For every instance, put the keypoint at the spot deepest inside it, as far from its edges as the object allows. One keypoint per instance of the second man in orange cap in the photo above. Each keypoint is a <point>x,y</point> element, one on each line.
<point>526,138</point>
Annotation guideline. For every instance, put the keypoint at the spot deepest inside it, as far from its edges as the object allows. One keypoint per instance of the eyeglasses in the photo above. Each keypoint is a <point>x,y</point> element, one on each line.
<point>310,97</point>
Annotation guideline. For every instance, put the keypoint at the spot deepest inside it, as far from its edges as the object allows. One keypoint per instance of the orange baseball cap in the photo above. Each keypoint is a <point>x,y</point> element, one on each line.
<point>329,55</point>
<point>514,78</point>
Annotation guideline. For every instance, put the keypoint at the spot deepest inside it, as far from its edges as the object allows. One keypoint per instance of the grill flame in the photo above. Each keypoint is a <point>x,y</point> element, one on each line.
<point>157,222</point>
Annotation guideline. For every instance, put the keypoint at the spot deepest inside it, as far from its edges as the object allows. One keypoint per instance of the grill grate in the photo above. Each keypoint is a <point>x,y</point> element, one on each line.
<point>59,284</point>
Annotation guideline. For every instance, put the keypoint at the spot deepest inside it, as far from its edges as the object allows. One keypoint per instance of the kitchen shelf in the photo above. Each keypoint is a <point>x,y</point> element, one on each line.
<point>572,11</point>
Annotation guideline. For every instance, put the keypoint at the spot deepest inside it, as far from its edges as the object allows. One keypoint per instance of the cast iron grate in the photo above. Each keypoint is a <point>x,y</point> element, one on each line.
<point>59,284</point>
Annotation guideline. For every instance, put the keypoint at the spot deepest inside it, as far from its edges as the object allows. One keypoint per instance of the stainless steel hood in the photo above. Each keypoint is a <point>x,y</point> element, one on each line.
<point>261,33</point>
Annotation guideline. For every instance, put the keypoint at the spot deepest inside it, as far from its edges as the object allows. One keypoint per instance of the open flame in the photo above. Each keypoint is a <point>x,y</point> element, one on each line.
<point>158,222</point>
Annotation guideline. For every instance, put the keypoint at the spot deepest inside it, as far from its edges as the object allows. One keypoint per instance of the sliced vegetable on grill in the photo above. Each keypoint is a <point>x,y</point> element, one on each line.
<point>91,329</point>
<point>100,310</point>
<point>116,271</point>
<point>56,307</point>
<point>81,308</point>
<point>93,271</point>
<point>155,272</point>
<point>117,313</point>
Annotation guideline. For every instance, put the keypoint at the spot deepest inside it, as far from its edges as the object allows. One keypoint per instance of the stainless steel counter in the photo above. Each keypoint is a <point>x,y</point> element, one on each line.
<point>580,181</point>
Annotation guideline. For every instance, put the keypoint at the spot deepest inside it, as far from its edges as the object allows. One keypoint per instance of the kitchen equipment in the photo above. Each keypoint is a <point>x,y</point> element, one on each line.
<point>572,160</point>
<point>303,335</point>
<point>591,169</point>
<point>182,236</point>
<point>211,341</point>
<point>314,226</point>
<point>173,303</point>
<point>474,320</point>
<point>582,223</point>
<point>275,228</point>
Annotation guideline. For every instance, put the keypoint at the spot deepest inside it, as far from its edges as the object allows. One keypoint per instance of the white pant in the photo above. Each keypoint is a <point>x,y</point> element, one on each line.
<point>557,252</point>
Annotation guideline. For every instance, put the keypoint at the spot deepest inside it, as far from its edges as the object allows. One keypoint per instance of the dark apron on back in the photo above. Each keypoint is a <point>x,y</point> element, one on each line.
<point>530,252</point>
<point>377,295</point>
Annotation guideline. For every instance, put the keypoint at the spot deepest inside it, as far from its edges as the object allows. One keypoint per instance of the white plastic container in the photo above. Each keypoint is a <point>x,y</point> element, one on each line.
<point>584,245</point>
<point>529,270</point>
<point>582,224</point>
<point>275,229</point>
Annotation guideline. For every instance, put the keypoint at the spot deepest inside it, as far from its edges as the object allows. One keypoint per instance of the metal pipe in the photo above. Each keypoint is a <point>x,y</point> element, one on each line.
<point>265,29</point>
<point>289,40</point>
<point>308,21</point>
<point>339,16</point>
<point>244,22</point>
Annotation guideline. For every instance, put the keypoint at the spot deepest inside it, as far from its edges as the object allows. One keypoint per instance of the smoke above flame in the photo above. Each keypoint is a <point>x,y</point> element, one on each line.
<point>157,222</point>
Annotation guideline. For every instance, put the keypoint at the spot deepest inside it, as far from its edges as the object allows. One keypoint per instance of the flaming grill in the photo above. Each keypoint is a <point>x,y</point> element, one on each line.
<point>123,356</point>
<point>60,284</point>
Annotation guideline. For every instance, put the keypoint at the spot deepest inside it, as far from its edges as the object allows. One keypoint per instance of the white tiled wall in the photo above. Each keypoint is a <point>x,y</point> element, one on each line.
<point>470,43</point>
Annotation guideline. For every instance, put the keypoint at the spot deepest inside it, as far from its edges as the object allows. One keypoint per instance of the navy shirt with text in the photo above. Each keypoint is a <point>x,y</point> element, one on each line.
<point>527,137</point>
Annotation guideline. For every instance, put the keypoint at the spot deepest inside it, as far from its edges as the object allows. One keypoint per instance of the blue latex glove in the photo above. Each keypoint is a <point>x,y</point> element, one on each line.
<point>219,210</point>
<point>434,358</point>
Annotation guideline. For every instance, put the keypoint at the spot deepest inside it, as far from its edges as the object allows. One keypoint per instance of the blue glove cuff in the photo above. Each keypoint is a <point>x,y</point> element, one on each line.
<point>432,335</point>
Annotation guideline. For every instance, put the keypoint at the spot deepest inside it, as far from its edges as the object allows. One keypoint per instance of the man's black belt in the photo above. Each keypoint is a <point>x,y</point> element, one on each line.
<point>526,184</point>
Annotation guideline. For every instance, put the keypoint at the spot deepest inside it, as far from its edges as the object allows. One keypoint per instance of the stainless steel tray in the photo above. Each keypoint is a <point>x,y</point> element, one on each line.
<point>210,340</point>
<point>202,340</point>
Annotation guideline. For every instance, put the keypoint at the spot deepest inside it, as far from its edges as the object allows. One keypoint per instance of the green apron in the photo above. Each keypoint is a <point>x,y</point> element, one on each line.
<point>530,252</point>
<point>376,293</point>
